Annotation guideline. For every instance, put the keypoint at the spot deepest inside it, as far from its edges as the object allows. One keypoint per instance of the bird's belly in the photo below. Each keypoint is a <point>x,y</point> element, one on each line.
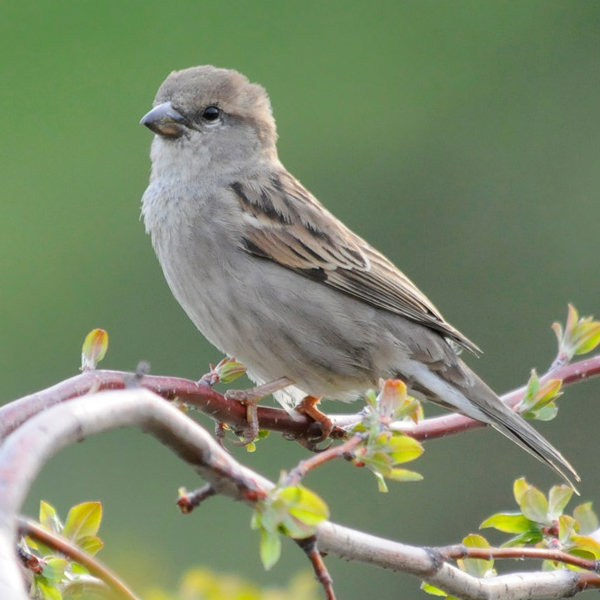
<point>280,324</point>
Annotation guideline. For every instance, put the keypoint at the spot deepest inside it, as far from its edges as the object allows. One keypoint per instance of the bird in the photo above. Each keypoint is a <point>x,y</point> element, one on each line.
<point>270,276</point>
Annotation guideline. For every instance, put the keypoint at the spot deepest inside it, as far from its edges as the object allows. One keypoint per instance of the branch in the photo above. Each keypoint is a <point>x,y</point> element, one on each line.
<point>458,551</point>
<point>25,452</point>
<point>202,397</point>
<point>299,471</point>
<point>428,564</point>
<point>63,546</point>
<point>196,394</point>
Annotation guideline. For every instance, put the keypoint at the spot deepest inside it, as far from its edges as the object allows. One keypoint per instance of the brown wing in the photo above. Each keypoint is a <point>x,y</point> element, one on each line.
<point>289,226</point>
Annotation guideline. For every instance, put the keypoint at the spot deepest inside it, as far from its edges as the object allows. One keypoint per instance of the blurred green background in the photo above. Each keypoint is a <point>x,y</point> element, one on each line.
<point>461,138</point>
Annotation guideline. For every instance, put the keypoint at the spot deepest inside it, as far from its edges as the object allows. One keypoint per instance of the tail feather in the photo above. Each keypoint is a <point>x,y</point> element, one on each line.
<point>525,436</point>
<point>455,386</point>
<point>508,422</point>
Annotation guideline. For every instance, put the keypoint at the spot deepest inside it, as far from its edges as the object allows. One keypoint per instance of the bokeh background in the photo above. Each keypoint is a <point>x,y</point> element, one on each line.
<point>461,138</point>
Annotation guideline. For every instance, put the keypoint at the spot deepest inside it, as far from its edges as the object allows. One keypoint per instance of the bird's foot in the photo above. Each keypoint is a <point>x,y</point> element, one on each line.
<point>308,407</point>
<point>260,391</point>
<point>250,399</point>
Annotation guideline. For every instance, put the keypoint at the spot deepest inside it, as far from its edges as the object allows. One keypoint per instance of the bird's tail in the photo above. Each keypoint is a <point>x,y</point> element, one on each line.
<point>456,387</point>
<point>516,428</point>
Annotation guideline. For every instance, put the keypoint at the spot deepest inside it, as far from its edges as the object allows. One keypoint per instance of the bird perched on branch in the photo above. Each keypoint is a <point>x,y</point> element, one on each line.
<point>271,277</point>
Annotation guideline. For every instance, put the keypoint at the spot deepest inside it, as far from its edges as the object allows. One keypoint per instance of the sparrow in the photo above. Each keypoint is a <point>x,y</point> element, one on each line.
<point>270,276</point>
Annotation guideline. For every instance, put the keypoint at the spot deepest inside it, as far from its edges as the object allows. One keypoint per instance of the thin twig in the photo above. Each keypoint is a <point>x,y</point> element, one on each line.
<point>194,394</point>
<point>188,501</point>
<point>303,467</point>
<point>233,413</point>
<point>67,548</point>
<point>458,551</point>
<point>310,548</point>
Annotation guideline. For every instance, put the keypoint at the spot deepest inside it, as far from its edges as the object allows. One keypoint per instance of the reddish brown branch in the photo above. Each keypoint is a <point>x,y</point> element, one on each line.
<point>66,548</point>
<point>458,551</point>
<point>233,413</point>
<point>200,396</point>
<point>188,501</point>
<point>309,547</point>
<point>299,472</point>
<point>588,580</point>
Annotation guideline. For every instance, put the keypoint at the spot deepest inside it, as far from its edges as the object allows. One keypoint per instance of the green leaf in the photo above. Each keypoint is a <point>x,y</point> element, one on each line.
<point>77,569</point>
<point>383,449</point>
<point>380,462</point>
<point>588,336</point>
<point>520,486</point>
<point>534,505</point>
<point>558,499</point>
<point>431,589</point>
<point>404,475</point>
<point>547,413</point>
<point>533,536</point>
<point>270,548</point>
<point>411,409</point>
<point>537,398</point>
<point>256,520</point>
<point>292,510</point>
<point>586,517</point>
<point>381,484</point>
<point>549,391</point>
<point>478,567</point>
<point>39,548</point>
<point>305,505</point>
<point>90,544</point>
<point>48,590</point>
<point>371,398</point>
<point>49,518</point>
<point>566,529</point>
<point>302,511</point>
<point>271,518</point>
<point>392,403</point>
<point>295,529</point>
<point>229,370</point>
<point>54,569</point>
<point>404,448</point>
<point>531,391</point>
<point>572,319</point>
<point>94,349</point>
<point>550,565</point>
<point>587,544</point>
<point>474,540</point>
<point>508,523</point>
<point>83,520</point>
<point>579,336</point>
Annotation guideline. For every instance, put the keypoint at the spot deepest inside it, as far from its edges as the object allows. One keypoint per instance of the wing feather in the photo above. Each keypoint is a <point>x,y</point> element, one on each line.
<point>286,224</point>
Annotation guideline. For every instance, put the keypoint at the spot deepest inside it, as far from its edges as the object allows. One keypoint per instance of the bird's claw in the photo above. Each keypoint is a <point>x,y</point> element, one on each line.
<point>250,399</point>
<point>249,433</point>
<point>313,445</point>
<point>308,407</point>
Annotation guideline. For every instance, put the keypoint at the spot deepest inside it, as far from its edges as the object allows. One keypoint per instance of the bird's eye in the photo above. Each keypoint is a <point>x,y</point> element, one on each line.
<point>211,113</point>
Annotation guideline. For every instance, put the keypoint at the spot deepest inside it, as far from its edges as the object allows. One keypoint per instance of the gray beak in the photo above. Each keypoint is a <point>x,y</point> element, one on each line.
<point>165,120</point>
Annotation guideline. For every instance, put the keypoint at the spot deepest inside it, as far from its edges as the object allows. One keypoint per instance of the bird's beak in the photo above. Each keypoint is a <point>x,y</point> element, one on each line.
<point>165,120</point>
